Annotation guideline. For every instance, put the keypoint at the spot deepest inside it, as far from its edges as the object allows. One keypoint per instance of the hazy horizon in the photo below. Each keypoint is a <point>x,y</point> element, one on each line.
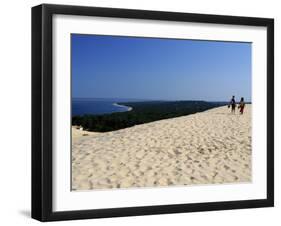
<point>116,67</point>
<point>142,99</point>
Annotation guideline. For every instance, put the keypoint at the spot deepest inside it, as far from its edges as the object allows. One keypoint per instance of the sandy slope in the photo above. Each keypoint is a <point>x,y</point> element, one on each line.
<point>209,147</point>
<point>77,134</point>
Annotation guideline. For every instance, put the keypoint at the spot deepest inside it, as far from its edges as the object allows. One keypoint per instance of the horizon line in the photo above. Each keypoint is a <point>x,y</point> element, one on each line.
<point>145,99</point>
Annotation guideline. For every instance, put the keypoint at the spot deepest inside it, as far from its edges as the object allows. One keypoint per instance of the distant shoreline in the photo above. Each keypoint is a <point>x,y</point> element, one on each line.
<point>143,112</point>
<point>119,105</point>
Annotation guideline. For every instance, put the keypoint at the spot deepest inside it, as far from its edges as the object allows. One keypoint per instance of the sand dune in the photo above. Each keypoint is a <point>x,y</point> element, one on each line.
<point>204,148</point>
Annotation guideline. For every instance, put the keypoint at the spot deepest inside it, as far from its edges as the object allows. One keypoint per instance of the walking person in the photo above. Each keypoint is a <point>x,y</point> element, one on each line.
<point>241,105</point>
<point>232,104</point>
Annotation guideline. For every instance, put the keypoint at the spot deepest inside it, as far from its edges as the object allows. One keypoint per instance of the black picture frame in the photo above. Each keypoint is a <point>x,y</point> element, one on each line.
<point>42,111</point>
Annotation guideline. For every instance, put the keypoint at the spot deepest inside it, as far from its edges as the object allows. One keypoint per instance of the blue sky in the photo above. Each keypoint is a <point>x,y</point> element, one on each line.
<point>159,69</point>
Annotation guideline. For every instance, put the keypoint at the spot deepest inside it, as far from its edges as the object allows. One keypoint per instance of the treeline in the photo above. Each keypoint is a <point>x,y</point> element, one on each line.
<point>143,112</point>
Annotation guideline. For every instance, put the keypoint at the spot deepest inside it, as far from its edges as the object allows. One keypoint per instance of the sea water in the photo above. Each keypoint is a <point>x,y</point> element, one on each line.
<point>97,106</point>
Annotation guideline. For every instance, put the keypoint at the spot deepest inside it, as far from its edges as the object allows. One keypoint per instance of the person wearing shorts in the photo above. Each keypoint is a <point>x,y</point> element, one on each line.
<point>241,105</point>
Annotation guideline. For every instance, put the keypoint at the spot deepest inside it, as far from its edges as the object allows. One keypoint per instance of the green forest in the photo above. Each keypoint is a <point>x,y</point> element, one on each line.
<point>142,112</point>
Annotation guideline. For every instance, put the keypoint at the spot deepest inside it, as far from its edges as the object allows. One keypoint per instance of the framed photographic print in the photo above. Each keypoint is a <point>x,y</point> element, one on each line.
<point>145,112</point>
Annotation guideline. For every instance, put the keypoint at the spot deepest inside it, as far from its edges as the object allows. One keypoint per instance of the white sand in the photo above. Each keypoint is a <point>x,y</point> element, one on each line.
<point>204,148</point>
<point>123,106</point>
<point>77,134</point>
